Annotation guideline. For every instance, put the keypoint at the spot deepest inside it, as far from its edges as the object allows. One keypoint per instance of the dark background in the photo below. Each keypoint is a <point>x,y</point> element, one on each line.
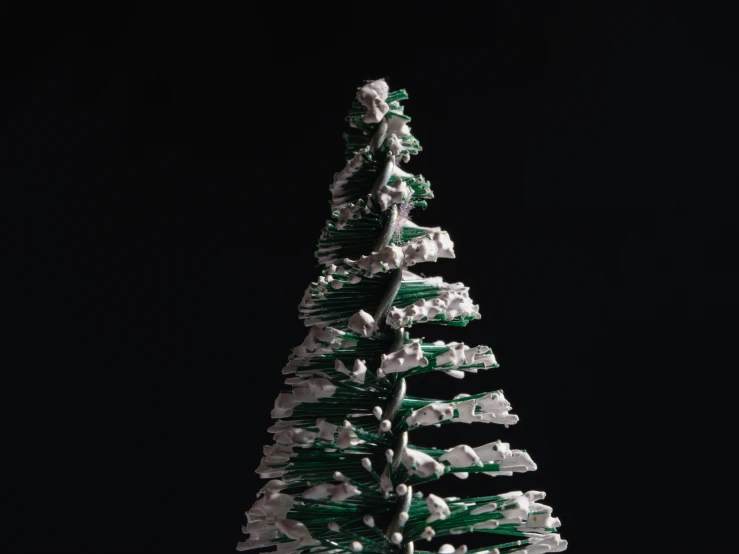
<point>583,162</point>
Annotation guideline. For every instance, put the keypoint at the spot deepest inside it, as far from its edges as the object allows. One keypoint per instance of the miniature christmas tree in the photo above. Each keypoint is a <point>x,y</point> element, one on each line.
<point>343,475</point>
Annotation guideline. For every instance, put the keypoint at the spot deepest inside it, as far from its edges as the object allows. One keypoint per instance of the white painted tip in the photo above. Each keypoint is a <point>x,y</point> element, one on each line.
<point>428,533</point>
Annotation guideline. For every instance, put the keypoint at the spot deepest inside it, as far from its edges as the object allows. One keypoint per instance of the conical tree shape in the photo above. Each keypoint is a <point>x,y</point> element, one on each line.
<point>343,475</point>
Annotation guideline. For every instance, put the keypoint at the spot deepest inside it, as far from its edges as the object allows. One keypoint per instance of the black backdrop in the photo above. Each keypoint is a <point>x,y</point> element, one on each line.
<point>584,163</point>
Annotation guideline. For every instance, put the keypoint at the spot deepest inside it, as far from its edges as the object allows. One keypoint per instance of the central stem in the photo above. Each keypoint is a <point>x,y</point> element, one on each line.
<point>396,399</point>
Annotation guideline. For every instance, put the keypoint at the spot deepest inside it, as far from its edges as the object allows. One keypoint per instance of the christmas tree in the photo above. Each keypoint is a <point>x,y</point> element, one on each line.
<point>343,474</point>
